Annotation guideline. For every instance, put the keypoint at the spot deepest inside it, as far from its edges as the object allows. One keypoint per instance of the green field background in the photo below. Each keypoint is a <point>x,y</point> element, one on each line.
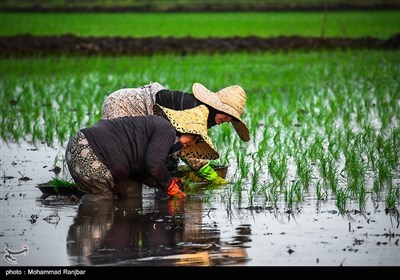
<point>333,113</point>
<point>54,88</point>
<point>380,24</point>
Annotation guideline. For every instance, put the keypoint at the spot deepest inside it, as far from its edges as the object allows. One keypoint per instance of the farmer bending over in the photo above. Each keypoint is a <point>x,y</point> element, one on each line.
<point>226,105</point>
<point>116,156</point>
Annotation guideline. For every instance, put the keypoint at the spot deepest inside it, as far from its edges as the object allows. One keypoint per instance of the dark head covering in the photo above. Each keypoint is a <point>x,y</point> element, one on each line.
<point>178,100</point>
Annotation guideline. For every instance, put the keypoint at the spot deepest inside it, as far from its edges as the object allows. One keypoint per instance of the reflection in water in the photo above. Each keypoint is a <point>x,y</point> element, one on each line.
<point>165,232</point>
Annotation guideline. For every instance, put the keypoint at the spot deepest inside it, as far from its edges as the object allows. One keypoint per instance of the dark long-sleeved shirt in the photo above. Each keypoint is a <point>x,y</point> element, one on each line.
<point>134,146</point>
<point>177,100</point>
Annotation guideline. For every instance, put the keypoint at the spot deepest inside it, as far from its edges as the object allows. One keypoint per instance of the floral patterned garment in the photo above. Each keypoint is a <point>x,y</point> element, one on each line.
<point>131,101</point>
<point>91,175</point>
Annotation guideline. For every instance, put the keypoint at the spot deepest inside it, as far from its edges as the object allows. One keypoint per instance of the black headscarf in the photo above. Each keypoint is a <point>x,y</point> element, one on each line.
<point>177,100</point>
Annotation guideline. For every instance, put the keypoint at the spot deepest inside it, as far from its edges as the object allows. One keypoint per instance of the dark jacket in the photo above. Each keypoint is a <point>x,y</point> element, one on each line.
<point>134,146</point>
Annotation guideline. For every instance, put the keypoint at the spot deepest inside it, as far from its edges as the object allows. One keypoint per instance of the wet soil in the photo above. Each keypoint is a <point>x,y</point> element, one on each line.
<point>28,45</point>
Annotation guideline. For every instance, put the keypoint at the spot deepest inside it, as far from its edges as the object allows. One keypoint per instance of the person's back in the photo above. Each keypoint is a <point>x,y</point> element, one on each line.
<point>131,145</point>
<point>131,101</point>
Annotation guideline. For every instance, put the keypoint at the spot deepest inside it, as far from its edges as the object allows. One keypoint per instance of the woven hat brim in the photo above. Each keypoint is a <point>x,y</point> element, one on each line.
<point>181,120</point>
<point>206,96</point>
<point>203,150</point>
<point>241,130</point>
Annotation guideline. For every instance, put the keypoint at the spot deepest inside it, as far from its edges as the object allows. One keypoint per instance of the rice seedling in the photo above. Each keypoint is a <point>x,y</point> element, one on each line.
<point>254,184</point>
<point>331,131</point>
<point>362,195</point>
<point>57,183</point>
<point>271,192</point>
<point>383,171</point>
<point>332,178</point>
<point>303,171</point>
<point>243,165</point>
<point>277,168</point>
<point>392,197</point>
<point>341,200</point>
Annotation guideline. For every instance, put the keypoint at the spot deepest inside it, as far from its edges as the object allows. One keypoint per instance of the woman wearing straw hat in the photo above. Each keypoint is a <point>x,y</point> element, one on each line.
<point>116,156</point>
<point>226,105</point>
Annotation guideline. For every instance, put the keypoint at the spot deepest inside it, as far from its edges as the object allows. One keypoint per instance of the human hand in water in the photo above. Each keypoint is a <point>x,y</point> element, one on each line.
<point>174,188</point>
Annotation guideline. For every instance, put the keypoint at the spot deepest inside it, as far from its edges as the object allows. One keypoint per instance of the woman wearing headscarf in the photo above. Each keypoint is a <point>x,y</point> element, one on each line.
<point>116,156</point>
<point>225,105</point>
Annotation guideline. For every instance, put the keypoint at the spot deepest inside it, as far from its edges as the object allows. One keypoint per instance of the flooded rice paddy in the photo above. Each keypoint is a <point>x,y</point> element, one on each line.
<point>201,231</point>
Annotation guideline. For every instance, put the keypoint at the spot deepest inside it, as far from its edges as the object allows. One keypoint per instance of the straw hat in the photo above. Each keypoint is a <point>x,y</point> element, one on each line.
<point>231,100</point>
<point>192,121</point>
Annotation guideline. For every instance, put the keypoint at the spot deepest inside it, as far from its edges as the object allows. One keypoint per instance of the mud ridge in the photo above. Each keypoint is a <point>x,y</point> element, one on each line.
<point>28,45</point>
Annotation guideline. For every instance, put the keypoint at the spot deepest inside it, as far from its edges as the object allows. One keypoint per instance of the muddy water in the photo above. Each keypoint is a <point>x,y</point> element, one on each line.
<point>58,231</point>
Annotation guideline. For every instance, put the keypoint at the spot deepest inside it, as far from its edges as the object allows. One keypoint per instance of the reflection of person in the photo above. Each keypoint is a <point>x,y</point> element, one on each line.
<point>122,230</point>
<point>226,105</point>
<point>94,219</point>
<point>116,156</point>
<point>143,232</point>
